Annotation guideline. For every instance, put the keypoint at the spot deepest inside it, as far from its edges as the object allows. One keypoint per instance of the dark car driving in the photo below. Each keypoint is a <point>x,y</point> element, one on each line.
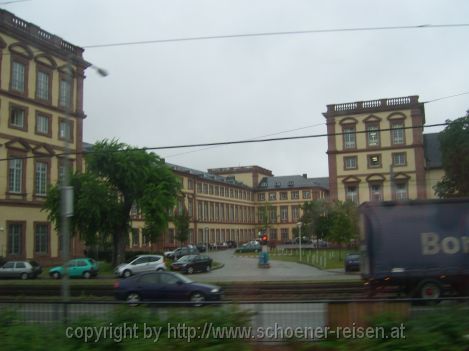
<point>164,286</point>
<point>193,263</point>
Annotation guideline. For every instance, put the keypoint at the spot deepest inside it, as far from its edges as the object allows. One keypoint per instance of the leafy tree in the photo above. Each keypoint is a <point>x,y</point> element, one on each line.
<point>181,222</point>
<point>117,176</point>
<point>94,207</point>
<point>315,218</point>
<point>454,144</point>
<point>265,216</point>
<point>344,222</point>
<point>334,221</point>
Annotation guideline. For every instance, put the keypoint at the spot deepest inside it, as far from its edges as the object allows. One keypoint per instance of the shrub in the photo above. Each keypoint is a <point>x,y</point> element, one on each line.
<point>16,336</point>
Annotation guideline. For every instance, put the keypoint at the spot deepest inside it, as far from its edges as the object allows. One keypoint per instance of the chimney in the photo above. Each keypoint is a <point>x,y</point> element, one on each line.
<point>305,176</point>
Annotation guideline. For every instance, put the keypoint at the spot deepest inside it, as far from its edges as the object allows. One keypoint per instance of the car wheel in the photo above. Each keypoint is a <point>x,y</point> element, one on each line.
<point>86,275</point>
<point>56,275</point>
<point>134,299</point>
<point>190,270</point>
<point>197,298</point>
<point>24,276</point>
<point>208,268</point>
<point>127,273</point>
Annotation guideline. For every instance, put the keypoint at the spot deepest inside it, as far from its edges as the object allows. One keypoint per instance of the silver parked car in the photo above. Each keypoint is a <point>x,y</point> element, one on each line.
<point>142,263</point>
<point>20,269</point>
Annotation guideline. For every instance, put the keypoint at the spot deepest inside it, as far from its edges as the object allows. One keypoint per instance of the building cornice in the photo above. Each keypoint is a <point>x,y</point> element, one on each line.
<point>31,34</point>
<point>373,106</point>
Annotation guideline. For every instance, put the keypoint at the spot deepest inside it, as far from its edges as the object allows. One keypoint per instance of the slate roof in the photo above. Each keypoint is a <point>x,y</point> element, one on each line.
<point>294,181</point>
<point>206,175</point>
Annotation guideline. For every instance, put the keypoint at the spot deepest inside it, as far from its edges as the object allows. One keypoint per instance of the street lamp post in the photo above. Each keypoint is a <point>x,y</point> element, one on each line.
<point>206,237</point>
<point>391,179</point>
<point>299,224</point>
<point>66,191</point>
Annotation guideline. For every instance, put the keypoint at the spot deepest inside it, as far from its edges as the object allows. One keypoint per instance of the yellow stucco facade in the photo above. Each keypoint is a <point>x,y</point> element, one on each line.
<point>41,115</point>
<point>376,151</point>
<point>221,207</point>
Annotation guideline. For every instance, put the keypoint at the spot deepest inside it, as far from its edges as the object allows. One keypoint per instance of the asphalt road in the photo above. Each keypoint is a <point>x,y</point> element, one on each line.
<point>242,268</point>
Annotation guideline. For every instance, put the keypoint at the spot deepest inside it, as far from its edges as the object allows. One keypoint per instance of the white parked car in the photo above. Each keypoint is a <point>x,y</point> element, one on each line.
<point>142,263</point>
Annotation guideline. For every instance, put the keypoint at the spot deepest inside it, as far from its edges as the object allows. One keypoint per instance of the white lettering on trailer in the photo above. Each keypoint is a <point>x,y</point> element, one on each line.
<point>449,245</point>
<point>429,243</point>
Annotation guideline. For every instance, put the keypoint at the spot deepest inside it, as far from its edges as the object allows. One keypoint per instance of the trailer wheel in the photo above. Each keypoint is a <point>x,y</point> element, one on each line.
<point>430,290</point>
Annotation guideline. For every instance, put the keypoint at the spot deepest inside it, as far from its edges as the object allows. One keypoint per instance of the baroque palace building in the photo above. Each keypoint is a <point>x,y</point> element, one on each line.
<point>226,204</point>
<point>377,151</point>
<point>41,111</point>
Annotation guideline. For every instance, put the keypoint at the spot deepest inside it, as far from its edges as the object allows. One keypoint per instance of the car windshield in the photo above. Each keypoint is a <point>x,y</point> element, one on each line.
<point>183,278</point>
<point>187,258</point>
<point>353,257</point>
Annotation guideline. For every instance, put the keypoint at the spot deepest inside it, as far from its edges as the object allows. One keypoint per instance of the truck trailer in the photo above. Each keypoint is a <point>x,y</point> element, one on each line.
<point>420,248</point>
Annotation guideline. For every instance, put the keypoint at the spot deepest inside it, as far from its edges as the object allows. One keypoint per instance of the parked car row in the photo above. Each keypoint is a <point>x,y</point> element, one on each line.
<point>251,246</point>
<point>306,241</point>
<point>187,260</point>
<point>181,251</point>
<point>78,267</point>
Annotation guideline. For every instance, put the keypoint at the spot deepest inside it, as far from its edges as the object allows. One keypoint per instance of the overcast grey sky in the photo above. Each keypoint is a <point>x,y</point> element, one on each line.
<point>240,88</point>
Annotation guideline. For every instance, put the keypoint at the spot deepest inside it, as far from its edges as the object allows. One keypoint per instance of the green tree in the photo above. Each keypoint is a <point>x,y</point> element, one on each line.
<point>181,222</point>
<point>265,215</point>
<point>344,222</point>
<point>454,144</point>
<point>315,219</point>
<point>117,176</point>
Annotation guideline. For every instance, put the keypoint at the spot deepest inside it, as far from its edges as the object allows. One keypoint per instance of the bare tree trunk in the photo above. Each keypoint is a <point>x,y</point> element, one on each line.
<point>121,235</point>
<point>119,243</point>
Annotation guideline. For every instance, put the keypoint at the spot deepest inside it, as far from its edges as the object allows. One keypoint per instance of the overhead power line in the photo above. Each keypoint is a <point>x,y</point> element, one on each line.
<point>251,141</point>
<point>445,97</point>
<point>12,2</point>
<point>261,136</point>
<point>266,34</point>
<point>235,142</point>
<point>310,126</point>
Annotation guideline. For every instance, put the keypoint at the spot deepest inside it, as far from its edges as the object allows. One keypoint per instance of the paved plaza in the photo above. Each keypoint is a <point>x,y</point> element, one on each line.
<point>242,268</point>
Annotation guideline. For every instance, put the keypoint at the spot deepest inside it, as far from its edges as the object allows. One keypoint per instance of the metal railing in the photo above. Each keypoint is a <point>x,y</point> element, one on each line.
<point>264,313</point>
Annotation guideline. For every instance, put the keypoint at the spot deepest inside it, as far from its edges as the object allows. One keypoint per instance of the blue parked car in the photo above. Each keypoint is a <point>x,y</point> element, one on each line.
<point>164,286</point>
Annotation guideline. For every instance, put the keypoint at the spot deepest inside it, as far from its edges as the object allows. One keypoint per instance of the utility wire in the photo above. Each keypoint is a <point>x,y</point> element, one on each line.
<point>315,125</point>
<point>445,97</point>
<point>261,136</point>
<point>12,2</point>
<point>265,34</point>
<point>248,141</point>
